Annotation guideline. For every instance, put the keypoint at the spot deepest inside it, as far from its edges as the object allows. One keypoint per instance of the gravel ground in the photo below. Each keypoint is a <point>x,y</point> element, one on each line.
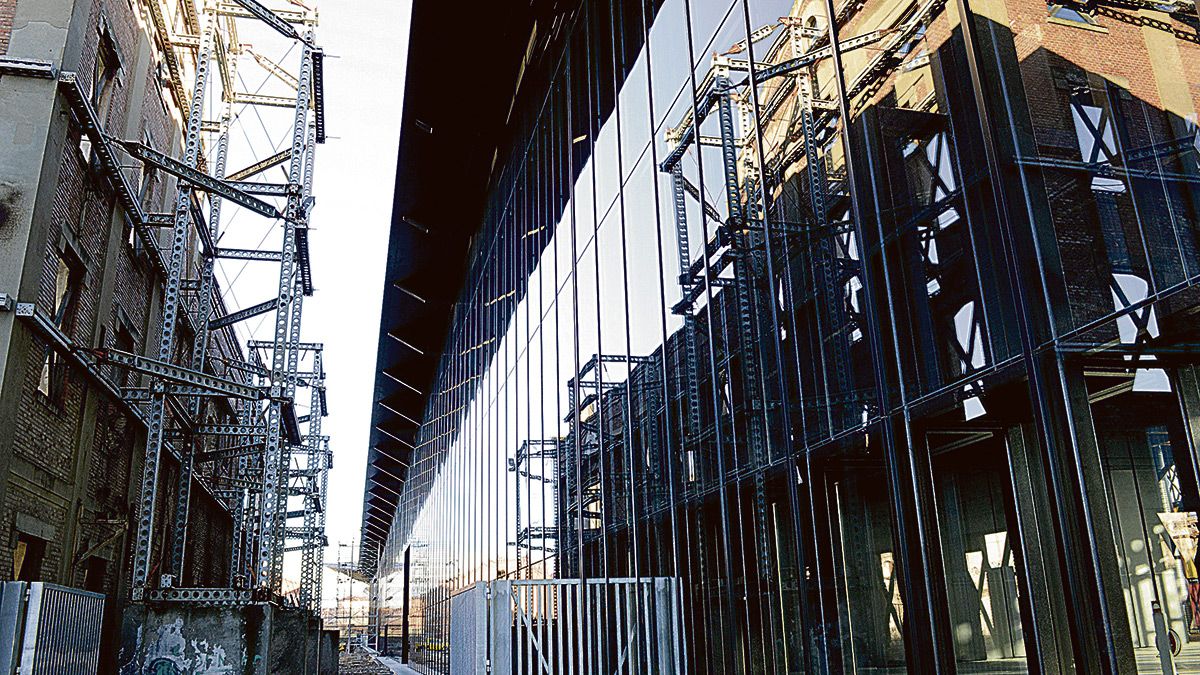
<point>360,663</point>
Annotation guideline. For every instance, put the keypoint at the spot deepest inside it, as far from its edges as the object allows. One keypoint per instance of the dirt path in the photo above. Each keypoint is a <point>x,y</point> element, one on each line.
<point>359,663</point>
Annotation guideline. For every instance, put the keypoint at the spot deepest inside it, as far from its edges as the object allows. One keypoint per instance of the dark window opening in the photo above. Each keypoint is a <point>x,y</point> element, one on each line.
<point>1072,13</point>
<point>68,279</point>
<point>94,573</point>
<point>147,182</point>
<point>104,74</point>
<point>124,342</point>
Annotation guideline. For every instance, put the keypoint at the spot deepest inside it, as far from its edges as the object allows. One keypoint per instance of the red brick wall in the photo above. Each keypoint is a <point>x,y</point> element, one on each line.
<point>1055,58</point>
<point>7,8</point>
<point>48,433</point>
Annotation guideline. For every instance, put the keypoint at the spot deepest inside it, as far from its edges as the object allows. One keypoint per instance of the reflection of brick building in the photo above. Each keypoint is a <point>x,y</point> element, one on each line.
<point>70,451</point>
<point>924,390</point>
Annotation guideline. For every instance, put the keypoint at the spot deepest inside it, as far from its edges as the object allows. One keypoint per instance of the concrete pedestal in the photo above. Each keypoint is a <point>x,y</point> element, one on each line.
<point>257,638</point>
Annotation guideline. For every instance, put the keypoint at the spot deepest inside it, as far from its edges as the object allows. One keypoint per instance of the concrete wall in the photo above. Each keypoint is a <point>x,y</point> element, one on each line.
<point>258,638</point>
<point>187,639</point>
<point>328,656</point>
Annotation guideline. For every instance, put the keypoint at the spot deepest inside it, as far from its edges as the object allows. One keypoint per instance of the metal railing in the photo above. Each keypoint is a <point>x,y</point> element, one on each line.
<point>568,627</point>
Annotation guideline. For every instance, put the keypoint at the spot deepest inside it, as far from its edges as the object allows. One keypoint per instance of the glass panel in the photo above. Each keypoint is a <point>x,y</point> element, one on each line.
<point>1100,148</point>
<point>971,482</point>
<point>668,320</point>
<point>634,113</point>
<point>868,576</point>
<point>709,19</point>
<point>1150,479</point>
<point>668,61</point>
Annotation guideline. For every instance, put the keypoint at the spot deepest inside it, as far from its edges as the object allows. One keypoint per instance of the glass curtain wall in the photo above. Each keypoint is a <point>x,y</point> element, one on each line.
<point>879,338</point>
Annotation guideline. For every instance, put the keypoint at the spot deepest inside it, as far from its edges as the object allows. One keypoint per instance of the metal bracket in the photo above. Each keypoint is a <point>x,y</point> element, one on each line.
<point>260,166</point>
<point>241,97</point>
<point>215,597</point>
<point>27,68</point>
<point>302,346</point>
<point>267,189</point>
<point>231,453</point>
<point>270,18</point>
<point>145,395</point>
<point>318,85</point>
<point>249,254</point>
<point>248,430</point>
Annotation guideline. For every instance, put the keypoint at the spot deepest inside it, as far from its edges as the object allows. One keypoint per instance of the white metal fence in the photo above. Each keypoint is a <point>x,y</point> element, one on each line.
<point>568,627</point>
<point>49,630</point>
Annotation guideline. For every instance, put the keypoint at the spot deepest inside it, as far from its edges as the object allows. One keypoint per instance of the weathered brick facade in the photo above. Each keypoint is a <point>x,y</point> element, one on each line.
<point>71,470</point>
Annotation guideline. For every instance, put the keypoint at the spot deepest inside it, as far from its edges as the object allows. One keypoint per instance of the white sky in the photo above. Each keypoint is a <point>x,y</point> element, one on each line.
<point>366,42</point>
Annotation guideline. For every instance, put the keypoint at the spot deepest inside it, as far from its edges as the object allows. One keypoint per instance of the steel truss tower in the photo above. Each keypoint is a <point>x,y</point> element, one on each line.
<point>244,422</point>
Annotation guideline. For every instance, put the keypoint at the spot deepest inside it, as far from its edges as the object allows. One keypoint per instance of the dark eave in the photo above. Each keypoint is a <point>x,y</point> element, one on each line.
<point>461,80</point>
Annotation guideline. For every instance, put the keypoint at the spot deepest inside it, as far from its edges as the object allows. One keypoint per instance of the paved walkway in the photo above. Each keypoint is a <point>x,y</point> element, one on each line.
<point>395,665</point>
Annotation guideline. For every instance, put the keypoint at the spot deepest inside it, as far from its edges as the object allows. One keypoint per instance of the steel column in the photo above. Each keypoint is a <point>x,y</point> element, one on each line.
<point>274,492</point>
<point>156,427</point>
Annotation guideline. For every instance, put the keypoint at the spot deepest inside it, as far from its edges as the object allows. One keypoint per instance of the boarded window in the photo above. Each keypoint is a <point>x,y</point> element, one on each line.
<point>28,552</point>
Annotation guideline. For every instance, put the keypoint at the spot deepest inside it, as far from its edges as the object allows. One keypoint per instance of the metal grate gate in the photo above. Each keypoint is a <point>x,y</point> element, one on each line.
<point>47,629</point>
<point>568,627</point>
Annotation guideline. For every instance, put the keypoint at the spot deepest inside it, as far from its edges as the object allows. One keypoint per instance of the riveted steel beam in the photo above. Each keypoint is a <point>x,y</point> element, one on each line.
<point>243,314</point>
<point>249,254</point>
<point>200,179</point>
<point>214,385</point>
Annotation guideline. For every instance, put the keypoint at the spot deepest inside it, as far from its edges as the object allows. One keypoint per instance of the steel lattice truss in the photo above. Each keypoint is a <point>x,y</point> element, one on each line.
<point>262,450</point>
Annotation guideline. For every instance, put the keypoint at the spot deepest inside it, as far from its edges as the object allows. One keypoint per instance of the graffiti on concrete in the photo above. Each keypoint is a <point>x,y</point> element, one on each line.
<point>168,653</point>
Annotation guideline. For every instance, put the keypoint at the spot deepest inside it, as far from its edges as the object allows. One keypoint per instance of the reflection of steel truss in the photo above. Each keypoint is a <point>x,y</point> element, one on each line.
<point>537,462</point>
<point>745,92</point>
<point>732,256</point>
<point>243,423</point>
<point>597,469</point>
<point>593,382</point>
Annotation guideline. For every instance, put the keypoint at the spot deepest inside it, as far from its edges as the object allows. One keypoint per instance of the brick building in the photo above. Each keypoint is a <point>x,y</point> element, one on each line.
<point>70,451</point>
